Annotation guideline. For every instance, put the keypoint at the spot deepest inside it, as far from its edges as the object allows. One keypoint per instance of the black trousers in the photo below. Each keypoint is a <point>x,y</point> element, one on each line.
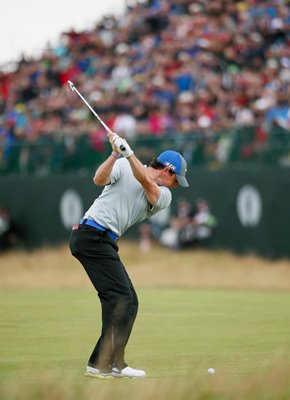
<point>99,256</point>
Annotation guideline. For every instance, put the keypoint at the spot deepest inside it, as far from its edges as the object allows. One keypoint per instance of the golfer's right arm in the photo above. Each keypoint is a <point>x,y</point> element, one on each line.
<point>102,174</point>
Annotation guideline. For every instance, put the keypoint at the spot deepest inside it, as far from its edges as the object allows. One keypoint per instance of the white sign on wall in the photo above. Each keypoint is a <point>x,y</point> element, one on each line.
<point>71,208</point>
<point>249,206</point>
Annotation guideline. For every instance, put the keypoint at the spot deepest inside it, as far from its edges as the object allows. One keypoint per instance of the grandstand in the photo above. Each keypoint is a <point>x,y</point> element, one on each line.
<point>211,79</point>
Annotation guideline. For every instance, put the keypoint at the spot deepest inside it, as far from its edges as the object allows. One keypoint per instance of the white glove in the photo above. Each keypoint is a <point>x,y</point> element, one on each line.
<point>123,147</point>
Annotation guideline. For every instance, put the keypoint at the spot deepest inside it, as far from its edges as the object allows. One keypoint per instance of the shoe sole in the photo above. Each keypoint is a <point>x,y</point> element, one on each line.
<point>98,376</point>
<point>110,376</point>
<point>127,377</point>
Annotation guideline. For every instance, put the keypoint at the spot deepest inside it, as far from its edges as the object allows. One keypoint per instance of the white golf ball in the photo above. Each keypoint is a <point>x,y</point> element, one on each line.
<point>211,371</point>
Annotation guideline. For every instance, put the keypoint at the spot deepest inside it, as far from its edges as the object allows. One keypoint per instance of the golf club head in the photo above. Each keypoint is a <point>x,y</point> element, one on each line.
<point>71,85</point>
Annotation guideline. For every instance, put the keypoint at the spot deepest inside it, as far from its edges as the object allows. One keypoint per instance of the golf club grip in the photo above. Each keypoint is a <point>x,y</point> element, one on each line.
<point>123,148</point>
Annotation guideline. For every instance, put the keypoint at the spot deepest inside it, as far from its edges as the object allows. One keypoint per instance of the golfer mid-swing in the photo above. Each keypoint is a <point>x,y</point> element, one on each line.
<point>132,193</point>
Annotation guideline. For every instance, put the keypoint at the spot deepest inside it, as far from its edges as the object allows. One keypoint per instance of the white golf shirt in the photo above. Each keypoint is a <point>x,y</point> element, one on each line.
<point>123,203</point>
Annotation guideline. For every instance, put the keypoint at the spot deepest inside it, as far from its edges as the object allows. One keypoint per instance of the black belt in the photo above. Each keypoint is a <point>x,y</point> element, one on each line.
<point>94,224</point>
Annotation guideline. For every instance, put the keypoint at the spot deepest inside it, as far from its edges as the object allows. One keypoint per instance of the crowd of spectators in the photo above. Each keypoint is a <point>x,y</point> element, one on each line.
<point>190,226</point>
<point>165,66</point>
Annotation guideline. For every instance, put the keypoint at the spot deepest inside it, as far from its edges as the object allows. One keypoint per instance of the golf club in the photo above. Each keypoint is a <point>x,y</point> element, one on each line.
<point>74,89</point>
<point>107,129</point>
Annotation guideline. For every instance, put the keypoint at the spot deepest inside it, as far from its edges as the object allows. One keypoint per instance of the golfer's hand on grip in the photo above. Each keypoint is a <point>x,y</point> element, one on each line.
<point>122,146</point>
<point>112,136</point>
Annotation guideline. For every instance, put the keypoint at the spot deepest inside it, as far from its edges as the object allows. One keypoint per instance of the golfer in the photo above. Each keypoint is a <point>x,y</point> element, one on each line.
<point>132,193</point>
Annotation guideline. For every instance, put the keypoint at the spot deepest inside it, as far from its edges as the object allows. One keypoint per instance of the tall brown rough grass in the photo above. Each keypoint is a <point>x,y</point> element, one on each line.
<point>158,267</point>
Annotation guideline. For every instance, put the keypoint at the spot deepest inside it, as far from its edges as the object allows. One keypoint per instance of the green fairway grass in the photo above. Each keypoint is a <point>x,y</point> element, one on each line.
<point>48,334</point>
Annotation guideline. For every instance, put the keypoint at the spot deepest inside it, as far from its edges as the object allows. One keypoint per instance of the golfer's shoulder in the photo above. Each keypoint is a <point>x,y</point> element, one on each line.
<point>165,195</point>
<point>123,163</point>
<point>165,191</point>
<point>123,170</point>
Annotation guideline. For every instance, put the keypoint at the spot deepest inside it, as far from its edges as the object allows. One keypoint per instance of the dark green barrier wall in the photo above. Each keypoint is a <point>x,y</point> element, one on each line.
<point>252,207</point>
<point>36,205</point>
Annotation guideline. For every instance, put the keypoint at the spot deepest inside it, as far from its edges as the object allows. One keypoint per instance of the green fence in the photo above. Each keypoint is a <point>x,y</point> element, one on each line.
<point>251,205</point>
<point>60,153</point>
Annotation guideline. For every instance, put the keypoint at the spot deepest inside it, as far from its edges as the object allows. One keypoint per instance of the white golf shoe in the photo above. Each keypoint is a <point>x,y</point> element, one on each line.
<point>128,372</point>
<point>96,373</point>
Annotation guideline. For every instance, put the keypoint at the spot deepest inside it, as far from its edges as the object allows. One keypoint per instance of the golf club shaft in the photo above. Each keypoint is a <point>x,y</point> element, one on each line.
<point>107,129</point>
<point>74,89</point>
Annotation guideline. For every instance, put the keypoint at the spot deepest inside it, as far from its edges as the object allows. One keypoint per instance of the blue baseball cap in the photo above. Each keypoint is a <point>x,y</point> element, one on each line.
<point>174,160</point>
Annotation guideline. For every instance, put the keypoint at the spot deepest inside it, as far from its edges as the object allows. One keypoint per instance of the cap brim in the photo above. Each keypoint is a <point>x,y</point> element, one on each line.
<point>182,181</point>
